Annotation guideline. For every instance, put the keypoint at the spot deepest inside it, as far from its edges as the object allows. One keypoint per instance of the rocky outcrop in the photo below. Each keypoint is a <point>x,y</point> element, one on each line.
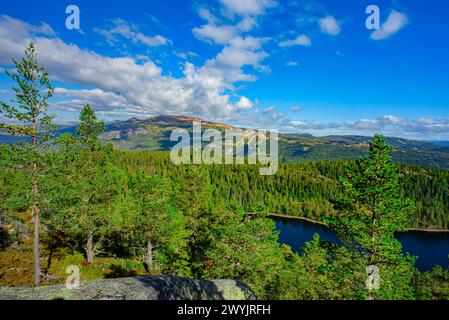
<point>138,288</point>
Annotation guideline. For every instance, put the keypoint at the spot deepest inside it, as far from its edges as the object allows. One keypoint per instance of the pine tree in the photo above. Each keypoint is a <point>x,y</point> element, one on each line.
<point>30,112</point>
<point>89,128</point>
<point>371,213</point>
<point>160,225</point>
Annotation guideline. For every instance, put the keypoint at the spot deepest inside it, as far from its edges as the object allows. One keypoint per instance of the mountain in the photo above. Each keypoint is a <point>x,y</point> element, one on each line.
<point>153,134</point>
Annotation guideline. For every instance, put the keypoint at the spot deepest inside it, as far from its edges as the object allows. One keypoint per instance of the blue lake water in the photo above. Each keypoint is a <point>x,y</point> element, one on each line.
<point>431,248</point>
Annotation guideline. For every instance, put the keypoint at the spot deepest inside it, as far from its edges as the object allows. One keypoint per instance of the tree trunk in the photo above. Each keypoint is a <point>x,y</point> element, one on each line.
<point>149,255</point>
<point>2,216</point>
<point>90,246</point>
<point>37,259</point>
<point>36,210</point>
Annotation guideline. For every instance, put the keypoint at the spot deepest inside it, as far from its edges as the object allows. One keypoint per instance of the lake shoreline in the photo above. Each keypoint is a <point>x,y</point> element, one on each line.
<point>325,225</point>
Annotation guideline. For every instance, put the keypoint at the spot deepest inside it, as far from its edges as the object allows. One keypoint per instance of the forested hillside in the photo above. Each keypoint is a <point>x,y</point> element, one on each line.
<point>305,189</point>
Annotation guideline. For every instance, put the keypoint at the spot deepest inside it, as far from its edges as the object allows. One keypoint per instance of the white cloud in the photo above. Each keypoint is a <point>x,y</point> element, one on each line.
<point>269,109</point>
<point>129,31</point>
<point>246,24</point>
<point>393,124</point>
<point>292,63</point>
<point>249,43</point>
<point>295,108</point>
<point>185,55</point>
<point>227,66</point>
<point>367,124</point>
<point>244,104</point>
<point>103,100</point>
<point>389,125</point>
<point>238,51</point>
<point>395,22</point>
<point>301,40</point>
<point>216,34</point>
<point>304,125</point>
<point>122,86</point>
<point>329,25</point>
<point>207,15</point>
<point>248,7</point>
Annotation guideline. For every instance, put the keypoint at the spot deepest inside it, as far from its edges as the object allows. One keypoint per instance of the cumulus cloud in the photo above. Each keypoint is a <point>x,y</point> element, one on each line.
<point>247,24</point>
<point>207,15</point>
<point>130,32</point>
<point>395,22</point>
<point>301,40</point>
<point>329,25</point>
<point>246,11</point>
<point>238,50</point>
<point>104,101</point>
<point>123,86</point>
<point>244,104</point>
<point>222,34</point>
<point>248,7</point>
<point>295,108</point>
<point>216,34</point>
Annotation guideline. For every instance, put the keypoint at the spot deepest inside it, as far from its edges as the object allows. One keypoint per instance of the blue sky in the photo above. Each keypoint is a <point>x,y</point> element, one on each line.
<point>297,66</point>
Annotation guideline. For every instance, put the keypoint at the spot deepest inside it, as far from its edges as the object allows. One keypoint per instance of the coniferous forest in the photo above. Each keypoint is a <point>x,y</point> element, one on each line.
<point>72,199</point>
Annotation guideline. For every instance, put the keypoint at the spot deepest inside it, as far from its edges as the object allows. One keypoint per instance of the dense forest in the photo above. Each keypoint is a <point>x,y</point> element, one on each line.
<point>74,201</point>
<point>305,189</point>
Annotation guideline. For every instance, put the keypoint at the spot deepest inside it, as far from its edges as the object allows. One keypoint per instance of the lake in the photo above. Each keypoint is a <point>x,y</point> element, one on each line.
<point>432,248</point>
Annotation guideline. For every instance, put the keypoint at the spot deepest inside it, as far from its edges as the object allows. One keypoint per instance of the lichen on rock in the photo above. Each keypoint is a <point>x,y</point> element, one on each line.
<point>137,288</point>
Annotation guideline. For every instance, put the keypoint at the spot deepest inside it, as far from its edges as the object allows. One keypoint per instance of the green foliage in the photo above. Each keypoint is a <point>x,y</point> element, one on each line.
<point>434,285</point>
<point>324,271</point>
<point>371,212</point>
<point>29,110</point>
<point>32,93</point>
<point>159,225</point>
<point>245,248</point>
<point>89,128</point>
<point>308,189</point>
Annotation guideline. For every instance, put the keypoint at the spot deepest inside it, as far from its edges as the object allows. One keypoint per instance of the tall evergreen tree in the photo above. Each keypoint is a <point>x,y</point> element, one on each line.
<point>84,187</point>
<point>160,225</point>
<point>30,119</point>
<point>372,212</point>
<point>94,180</point>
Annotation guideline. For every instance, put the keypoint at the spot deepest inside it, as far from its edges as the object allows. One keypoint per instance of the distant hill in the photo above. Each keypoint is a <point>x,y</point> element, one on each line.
<point>153,134</point>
